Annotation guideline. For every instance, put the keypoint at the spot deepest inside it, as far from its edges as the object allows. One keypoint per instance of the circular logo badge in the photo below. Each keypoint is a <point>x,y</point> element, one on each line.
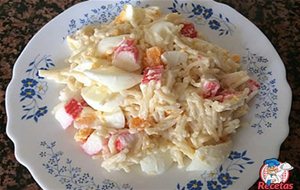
<point>276,174</point>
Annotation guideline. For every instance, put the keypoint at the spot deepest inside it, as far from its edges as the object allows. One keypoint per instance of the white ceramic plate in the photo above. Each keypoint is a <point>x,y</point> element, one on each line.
<point>56,161</point>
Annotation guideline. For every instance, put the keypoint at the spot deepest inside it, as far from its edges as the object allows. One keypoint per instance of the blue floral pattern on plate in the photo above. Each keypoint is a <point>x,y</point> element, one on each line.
<point>202,15</point>
<point>266,100</point>
<point>71,176</point>
<point>224,177</point>
<point>99,15</point>
<point>34,88</point>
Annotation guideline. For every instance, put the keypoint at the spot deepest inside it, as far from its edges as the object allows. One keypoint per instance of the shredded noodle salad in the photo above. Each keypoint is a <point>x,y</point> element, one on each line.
<point>147,89</point>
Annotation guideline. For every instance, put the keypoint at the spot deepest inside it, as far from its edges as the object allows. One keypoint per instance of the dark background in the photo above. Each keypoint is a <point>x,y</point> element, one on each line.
<point>19,20</point>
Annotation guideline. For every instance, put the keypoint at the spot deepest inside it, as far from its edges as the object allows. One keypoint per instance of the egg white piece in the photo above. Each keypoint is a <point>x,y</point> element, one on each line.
<point>161,33</point>
<point>174,57</point>
<point>210,157</point>
<point>100,98</point>
<point>66,94</point>
<point>114,78</point>
<point>84,65</point>
<point>134,15</point>
<point>155,164</point>
<point>115,119</point>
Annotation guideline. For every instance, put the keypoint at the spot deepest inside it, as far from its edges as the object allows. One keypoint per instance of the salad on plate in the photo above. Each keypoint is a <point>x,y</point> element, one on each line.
<point>149,90</point>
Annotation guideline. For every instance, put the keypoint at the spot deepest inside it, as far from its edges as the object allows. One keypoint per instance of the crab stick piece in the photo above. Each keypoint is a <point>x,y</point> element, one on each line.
<point>126,56</point>
<point>67,113</point>
<point>94,144</point>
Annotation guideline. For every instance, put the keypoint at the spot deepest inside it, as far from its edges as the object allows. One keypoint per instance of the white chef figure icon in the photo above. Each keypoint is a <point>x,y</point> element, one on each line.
<point>275,170</point>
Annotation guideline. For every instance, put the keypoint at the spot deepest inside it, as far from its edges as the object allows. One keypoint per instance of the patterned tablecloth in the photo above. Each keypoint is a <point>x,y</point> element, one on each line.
<point>21,19</point>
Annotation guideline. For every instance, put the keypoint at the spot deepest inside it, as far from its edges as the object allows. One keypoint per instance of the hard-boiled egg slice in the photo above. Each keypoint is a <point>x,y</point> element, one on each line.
<point>115,119</point>
<point>66,94</point>
<point>155,164</point>
<point>160,34</point>
<point>114,78</point>
<point>208,158</point>
<point>79,76</point>
<point>174,57</point>
<point>100,98</point>
<point>134,15</point>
